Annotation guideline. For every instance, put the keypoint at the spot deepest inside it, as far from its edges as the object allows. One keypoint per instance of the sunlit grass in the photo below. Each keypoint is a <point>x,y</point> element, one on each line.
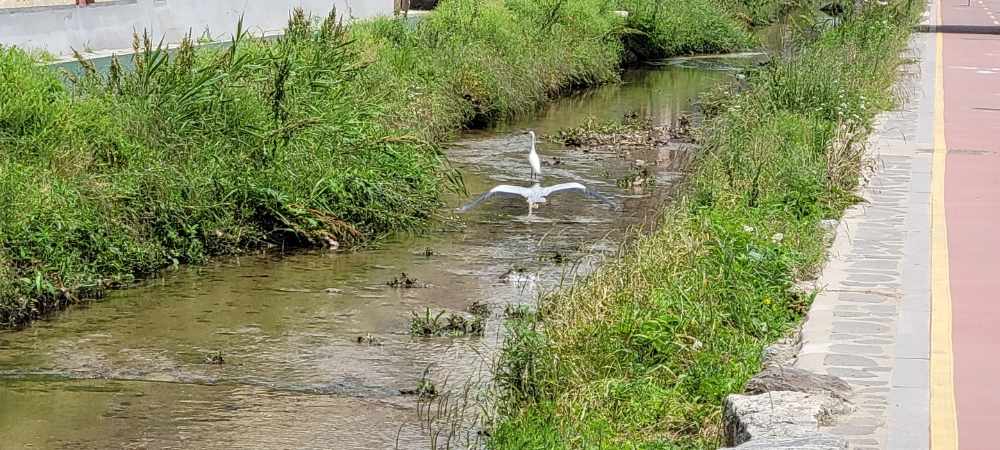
<point>642,353</point>
<point>329,133</point>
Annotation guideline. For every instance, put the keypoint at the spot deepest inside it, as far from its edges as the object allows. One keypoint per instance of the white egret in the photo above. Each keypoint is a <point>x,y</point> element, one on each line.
<point>536,163</point>
<point>536,194</point>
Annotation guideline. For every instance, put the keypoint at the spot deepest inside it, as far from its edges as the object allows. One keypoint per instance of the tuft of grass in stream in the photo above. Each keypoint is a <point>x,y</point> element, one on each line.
<point>642,353</point>
<point>454,325</point>
<point>325,135</point>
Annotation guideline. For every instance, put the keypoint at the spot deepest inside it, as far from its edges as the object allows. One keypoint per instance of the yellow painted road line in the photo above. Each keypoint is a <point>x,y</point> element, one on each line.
<point>944,420</point>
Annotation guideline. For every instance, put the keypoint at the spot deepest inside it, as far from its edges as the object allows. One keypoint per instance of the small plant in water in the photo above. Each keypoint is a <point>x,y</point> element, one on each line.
<point>425,390</point>
<point>403,281</point>
<point>426,325</point>
<point>455,325</point>
<point>516,268</point>
<point>369,339</point>
<point>215,359</point>
<point>557,257</point>
<point>640,177</point>
<point>516,311</point>
<point>479,309</point>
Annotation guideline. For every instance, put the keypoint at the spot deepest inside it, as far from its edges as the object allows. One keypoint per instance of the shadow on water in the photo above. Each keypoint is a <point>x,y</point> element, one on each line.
<point>135,370</point>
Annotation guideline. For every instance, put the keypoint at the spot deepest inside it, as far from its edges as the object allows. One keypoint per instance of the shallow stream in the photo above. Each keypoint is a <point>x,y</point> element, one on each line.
<point>135,371</point>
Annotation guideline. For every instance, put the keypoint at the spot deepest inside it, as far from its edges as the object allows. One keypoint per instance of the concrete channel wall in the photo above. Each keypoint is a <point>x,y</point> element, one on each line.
<point>59,26</point>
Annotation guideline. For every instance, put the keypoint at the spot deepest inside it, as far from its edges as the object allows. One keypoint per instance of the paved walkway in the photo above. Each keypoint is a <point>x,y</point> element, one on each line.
<point>870,325</point>
<point>910,316</point>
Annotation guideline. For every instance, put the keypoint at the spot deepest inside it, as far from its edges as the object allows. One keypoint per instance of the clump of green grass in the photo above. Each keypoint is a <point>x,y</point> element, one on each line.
<point>642,353</point>
<point>426,390</point>
<point>402,281</point>
<point>473,63</point>
<point>677,27</point>
<point>454,325</point>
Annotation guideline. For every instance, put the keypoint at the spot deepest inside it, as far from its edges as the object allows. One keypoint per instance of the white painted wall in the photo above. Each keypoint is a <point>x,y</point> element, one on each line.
<point>109,25</point>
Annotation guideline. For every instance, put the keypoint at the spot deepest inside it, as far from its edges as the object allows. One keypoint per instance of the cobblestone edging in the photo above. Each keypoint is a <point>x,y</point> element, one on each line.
<point>869,326</point>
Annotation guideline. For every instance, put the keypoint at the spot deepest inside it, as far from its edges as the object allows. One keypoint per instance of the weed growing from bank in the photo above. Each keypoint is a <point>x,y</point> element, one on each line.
<point>642,353</point>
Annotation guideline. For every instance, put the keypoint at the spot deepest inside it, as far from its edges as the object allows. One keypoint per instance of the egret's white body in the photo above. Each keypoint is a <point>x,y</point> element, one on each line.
<point>536,163</point>
<point>536,194</point>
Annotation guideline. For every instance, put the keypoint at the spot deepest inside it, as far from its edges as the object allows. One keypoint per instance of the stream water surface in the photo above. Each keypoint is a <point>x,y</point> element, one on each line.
<point>132,371</point>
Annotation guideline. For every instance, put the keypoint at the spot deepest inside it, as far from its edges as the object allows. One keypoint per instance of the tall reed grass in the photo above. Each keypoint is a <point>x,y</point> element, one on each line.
<point>642,353</point>
<point>192,154</point>
<point>477,62</point>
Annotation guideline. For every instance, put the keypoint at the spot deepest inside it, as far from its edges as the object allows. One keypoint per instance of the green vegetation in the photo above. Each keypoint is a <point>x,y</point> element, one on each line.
<point>195,154</point>
<point>454,325</point>
<point>675,27</point>
<point>642,353</point>
<point>327,134</point>
<point>477,62</point>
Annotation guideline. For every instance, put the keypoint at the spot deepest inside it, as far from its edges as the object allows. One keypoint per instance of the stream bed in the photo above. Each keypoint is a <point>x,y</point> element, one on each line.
<point>135,370</point>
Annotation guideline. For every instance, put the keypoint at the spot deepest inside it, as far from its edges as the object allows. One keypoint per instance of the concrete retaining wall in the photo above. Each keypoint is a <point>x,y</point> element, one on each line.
<point>109,25</point>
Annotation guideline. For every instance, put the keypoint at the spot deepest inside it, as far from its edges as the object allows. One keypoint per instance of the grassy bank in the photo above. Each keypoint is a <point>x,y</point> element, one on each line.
<point>478,62</point>
<point>326,134</point>
<point>642,353</point>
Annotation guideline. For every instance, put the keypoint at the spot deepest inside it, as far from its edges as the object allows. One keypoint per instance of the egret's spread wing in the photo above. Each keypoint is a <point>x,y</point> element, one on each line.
<point>502,190</point>
<point>563,187</point>
<point>578,188</point>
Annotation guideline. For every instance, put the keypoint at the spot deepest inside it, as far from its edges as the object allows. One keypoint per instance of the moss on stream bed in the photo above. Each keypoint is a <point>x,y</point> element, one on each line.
<point>642,353</point>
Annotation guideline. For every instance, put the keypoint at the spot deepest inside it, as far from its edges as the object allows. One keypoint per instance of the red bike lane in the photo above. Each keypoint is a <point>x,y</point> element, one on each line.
<point>971,68</point>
